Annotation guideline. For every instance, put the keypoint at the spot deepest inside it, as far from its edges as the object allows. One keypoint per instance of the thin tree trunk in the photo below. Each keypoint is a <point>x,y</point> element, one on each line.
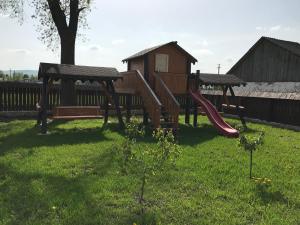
<point>141,200</point>
<point>251,164</point>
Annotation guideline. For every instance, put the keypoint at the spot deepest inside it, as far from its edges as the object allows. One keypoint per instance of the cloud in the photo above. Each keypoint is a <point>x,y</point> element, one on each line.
<point>275,28</point>
<point>4,16</point>
<point>204,52</point>
<point>229,60</point>
<point>203,43</point>
<point>95,48</point>
<point>289,29</point>
<point>20,51</point>
<point>118,42</point>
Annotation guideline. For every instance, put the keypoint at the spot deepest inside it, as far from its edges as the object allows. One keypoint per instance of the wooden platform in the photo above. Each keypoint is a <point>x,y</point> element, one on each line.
<point>77,112</point>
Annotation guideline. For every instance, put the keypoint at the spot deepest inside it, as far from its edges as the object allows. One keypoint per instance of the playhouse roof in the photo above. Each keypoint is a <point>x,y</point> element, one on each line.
<point>59,71</point>
<point>148,50</point>
<point>220,79</point>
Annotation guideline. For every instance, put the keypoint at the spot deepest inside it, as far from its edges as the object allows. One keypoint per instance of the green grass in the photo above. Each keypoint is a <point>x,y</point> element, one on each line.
<point>72,177</point>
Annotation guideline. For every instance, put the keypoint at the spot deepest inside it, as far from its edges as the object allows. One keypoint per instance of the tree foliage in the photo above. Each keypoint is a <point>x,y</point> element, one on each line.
<point>54,17</point>
<point>251,143</point>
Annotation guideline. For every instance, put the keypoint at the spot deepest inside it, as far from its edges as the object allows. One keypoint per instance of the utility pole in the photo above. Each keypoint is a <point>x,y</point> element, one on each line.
<point>219,67</point>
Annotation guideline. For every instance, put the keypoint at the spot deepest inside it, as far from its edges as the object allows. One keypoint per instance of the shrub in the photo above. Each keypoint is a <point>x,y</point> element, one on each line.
<point>146,161</point>
<point>250,143</point>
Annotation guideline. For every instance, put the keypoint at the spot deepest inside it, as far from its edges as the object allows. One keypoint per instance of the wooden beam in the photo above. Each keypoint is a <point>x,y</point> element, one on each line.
<point>115,97</point>
<point>128,107</point>
<point>225,99</point>
<point>231,91</point>
<point>106,108</point>
<point>44,105</point>
<point>146,68</point>
<point>128,65</point>
<point>195,111</point>
<point>145,116</point>
<point>187,97</point>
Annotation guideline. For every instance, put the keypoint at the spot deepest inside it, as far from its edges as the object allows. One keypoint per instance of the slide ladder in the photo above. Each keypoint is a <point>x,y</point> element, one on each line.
<point>213,115</point>
<point>170,106</point>
<point>159,102</point>
<point>135,81</point>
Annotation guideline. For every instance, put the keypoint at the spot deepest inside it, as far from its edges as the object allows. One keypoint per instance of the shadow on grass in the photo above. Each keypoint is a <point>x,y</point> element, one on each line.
<point>191,136</point>
<point>272,197</point>
<point>43,198</point>
<point>187,135</point>
<point>30,138</point>
<point>268,197</point>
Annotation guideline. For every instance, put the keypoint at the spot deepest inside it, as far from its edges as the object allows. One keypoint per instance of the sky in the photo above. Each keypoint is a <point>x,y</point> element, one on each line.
<point>213,31</point>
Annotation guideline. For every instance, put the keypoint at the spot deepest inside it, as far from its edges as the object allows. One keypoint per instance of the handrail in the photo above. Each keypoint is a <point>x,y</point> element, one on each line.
<point>170,103</point>
<point>167,89</point>
<point>148,87</point>
<point>135,80</point>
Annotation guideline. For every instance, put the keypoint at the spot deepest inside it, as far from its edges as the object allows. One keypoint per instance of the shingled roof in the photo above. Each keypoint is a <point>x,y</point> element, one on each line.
<point>148,50</point>
<point>220,79</point>
<point>276,90</point>
<point>59,71</point>
<point>292,47</point>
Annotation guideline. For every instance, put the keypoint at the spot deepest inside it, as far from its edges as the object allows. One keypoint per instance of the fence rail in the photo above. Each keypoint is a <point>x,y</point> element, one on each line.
<point>23,96</point>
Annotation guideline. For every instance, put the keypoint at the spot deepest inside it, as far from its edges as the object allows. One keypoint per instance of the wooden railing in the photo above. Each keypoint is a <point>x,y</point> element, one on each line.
<point>134,80</point>
<point>23,96</point>
<point>171,105</point>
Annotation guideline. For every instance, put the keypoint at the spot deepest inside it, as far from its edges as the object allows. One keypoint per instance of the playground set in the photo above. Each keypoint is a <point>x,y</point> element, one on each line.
<point>158,75</point>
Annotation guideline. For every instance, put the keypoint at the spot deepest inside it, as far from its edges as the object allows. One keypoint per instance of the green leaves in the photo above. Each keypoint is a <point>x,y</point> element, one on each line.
<point>146,160</point>
<point>251,143</point>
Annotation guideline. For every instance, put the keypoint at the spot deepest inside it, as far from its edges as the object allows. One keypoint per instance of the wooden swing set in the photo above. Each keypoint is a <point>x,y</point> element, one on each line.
<point>105,76</point>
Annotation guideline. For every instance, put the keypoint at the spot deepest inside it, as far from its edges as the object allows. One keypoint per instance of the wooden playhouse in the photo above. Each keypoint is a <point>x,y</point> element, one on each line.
<point>161,73</point>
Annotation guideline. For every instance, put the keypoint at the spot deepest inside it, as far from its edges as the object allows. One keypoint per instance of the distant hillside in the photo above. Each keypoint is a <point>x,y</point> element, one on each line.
<point>29,72</point>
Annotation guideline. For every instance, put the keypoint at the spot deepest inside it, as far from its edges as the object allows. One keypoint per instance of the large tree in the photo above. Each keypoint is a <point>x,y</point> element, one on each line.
<point>58,21</point>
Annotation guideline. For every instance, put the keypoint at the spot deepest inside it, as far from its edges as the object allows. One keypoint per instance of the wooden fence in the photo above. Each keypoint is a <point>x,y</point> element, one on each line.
<point>269,109</point>
<point>23,96</point>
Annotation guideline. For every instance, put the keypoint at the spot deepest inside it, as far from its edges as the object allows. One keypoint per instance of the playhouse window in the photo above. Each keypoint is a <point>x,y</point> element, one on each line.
<point>162,63</point>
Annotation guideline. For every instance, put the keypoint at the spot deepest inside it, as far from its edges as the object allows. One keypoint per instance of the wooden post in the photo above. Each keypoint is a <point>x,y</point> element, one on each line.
<point>116,102</point>
<point>225,99</point>
<point>195,114</point>
<point>145,117</point>
<point>239,110</point>
<point>187,109</point>
<point>106,105</point>
<point>147,78</point>
<point>1,100</point>
<point>128,65</point>
<point>195,111</point>
<point>44,105</point>
<point>146,69</point>
<point>187,97</point>
<point>128,107</point>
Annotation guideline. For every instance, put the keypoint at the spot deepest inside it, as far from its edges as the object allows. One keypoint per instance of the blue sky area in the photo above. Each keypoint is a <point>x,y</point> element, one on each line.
<point>215,31</point>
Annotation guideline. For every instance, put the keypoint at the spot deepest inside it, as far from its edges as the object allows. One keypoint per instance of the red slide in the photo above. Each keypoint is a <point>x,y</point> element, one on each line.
<point>213,115</point>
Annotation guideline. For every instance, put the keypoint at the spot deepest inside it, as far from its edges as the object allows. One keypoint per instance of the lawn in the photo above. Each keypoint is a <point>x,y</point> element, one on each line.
<point>72,177</point>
